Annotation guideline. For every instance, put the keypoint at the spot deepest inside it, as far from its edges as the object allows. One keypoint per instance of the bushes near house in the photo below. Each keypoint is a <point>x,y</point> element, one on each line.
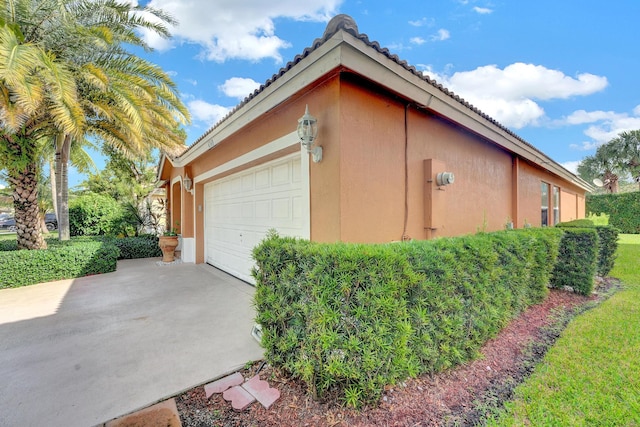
<point>350,319</point>
<point>607,243</point>
<point>81,256</point>
<point>144,246</point>
<point>577,260</point>
<point>61,261</point>
<point>623,210</point>
<point>94,215</point>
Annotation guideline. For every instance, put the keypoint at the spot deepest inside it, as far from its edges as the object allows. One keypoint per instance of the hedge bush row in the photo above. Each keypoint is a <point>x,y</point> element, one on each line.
<point>60,261</point>
<point>349,319</point>
<point>145,246</point>
<point>607,243</point>
<point>577,260</point>
<point>65,260</point>
<point>94,215</point>
<point>623,210</point>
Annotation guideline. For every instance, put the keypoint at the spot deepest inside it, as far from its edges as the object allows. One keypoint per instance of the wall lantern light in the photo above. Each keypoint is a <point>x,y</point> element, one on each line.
<point>444,178</point>
<point>307,132</point>
<point>187,182</point>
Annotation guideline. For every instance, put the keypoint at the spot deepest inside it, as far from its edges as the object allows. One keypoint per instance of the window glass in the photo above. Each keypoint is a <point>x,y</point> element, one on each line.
<point>544,202</point>
<point>556,205</point>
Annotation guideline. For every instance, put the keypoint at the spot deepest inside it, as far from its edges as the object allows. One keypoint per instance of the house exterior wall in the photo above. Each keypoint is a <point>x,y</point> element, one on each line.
<point>364,190</point>
<point>531,177</point>
<point>373,171</point>
<point>492,186</point>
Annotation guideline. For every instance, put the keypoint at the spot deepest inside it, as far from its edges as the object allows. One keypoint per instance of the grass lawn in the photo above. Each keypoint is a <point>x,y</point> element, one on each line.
<point>591,376</point>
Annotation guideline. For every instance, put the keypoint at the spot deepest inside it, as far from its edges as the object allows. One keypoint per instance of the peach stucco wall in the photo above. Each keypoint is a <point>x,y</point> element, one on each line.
<point>357,192</point>
<point>373,171</point>
<point>531,177</point>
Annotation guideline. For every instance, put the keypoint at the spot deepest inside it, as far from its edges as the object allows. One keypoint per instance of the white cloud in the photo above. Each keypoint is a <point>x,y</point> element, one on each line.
<point>191,82</point>
<point>571,165</point>
<point>441,35</point>
<point>482,10</point>
<point>205,112</point>
<point>581,117</point>
<point>509,95</point>
<point>238,29</point>
<point>417,40</point>
<point>422,22</point>
<point>238,87</point>
<point>604,125</point>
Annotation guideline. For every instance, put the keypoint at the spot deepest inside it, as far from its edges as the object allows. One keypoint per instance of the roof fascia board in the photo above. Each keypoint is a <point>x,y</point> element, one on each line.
<point>359,56</point>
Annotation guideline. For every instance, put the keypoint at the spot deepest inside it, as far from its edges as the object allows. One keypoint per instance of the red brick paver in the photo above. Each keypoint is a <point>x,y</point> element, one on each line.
<point>223,384</point>
<point>240,398</point>
<point>261,390</point>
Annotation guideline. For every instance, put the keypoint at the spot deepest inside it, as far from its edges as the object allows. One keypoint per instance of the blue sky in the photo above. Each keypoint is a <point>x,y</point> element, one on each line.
<point>561,74</point>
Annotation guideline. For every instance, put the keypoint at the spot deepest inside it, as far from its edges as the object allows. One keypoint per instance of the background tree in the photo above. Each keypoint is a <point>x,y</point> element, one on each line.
<point>37,97</point>
<point>65,74</point>
<point>625,150</point>
<point>130,181</point>
<point>604,166</point>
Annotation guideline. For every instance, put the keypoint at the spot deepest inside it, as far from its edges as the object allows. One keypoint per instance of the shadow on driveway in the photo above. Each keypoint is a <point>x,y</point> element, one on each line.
<point>81,352</point>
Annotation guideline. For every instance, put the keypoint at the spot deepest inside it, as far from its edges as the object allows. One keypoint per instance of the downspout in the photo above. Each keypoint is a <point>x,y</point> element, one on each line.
<point>405,237</point>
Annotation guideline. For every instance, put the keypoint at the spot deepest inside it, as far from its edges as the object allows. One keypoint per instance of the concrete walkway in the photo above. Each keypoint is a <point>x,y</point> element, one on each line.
<point>81,352</point>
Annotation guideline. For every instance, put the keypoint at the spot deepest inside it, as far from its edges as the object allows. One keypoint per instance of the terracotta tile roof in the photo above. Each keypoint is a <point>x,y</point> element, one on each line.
<point>346,23</point>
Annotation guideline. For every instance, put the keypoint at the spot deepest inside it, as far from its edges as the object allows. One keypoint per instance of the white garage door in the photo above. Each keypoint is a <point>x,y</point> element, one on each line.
<point>241,208</point>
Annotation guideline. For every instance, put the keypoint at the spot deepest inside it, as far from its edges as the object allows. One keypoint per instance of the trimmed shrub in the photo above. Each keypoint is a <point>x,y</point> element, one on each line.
<point>577,260</point>
<point>8,245</point>
<point>576,223</point>
<point>63,260</point>
<point>623,210</point>
<point>607,243</point>
<point>145,246</point>
<point>607,248</point>
<point>94,215</point>
<point>349,319</point>
<point>335,315</point>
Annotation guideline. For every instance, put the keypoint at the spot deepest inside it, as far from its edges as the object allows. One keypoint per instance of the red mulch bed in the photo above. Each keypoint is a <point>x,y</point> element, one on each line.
<point>455,397</point>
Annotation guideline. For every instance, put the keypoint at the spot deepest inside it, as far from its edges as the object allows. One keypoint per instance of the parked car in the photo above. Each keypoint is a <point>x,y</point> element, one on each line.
<point>10,223</point>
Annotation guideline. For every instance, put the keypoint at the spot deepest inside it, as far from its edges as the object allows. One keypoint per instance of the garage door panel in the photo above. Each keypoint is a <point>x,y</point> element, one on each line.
<point>241,208</point>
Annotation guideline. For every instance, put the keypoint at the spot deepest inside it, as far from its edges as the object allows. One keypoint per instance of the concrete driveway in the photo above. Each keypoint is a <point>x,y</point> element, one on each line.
<point>81,352</point>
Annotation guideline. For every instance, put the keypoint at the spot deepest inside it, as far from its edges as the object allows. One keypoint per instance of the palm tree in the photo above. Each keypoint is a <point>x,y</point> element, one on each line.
<point>118,98</point>
<point>626,149</point>
<point>603,166</point>
<point>37,95</point>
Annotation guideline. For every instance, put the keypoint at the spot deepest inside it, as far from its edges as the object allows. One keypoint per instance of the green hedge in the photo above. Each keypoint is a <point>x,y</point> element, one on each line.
<point>623,210</point>
<point>94,215</point>
<point>61,261</point>
<point>577,260</point>
<point>349,319</point>
<point>607,243</point>
<point>145,246</point>
<point>64,260</point>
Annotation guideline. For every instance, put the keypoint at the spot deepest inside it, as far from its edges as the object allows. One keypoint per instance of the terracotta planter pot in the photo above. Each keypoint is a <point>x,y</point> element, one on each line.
<point>168,246</point>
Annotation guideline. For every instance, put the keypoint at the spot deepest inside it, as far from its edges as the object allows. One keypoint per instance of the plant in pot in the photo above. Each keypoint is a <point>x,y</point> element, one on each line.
<point>168,243</point>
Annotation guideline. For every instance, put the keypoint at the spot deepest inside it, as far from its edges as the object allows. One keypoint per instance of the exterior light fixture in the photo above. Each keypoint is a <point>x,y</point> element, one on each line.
<point>187,182</point>
<point>444,178</point>
<point>307,132</point>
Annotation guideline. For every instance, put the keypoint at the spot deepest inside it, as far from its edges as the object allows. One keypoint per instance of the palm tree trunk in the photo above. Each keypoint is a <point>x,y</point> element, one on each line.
<point>54,191</point>
<point>63,148</point>
<point>25,202</point>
